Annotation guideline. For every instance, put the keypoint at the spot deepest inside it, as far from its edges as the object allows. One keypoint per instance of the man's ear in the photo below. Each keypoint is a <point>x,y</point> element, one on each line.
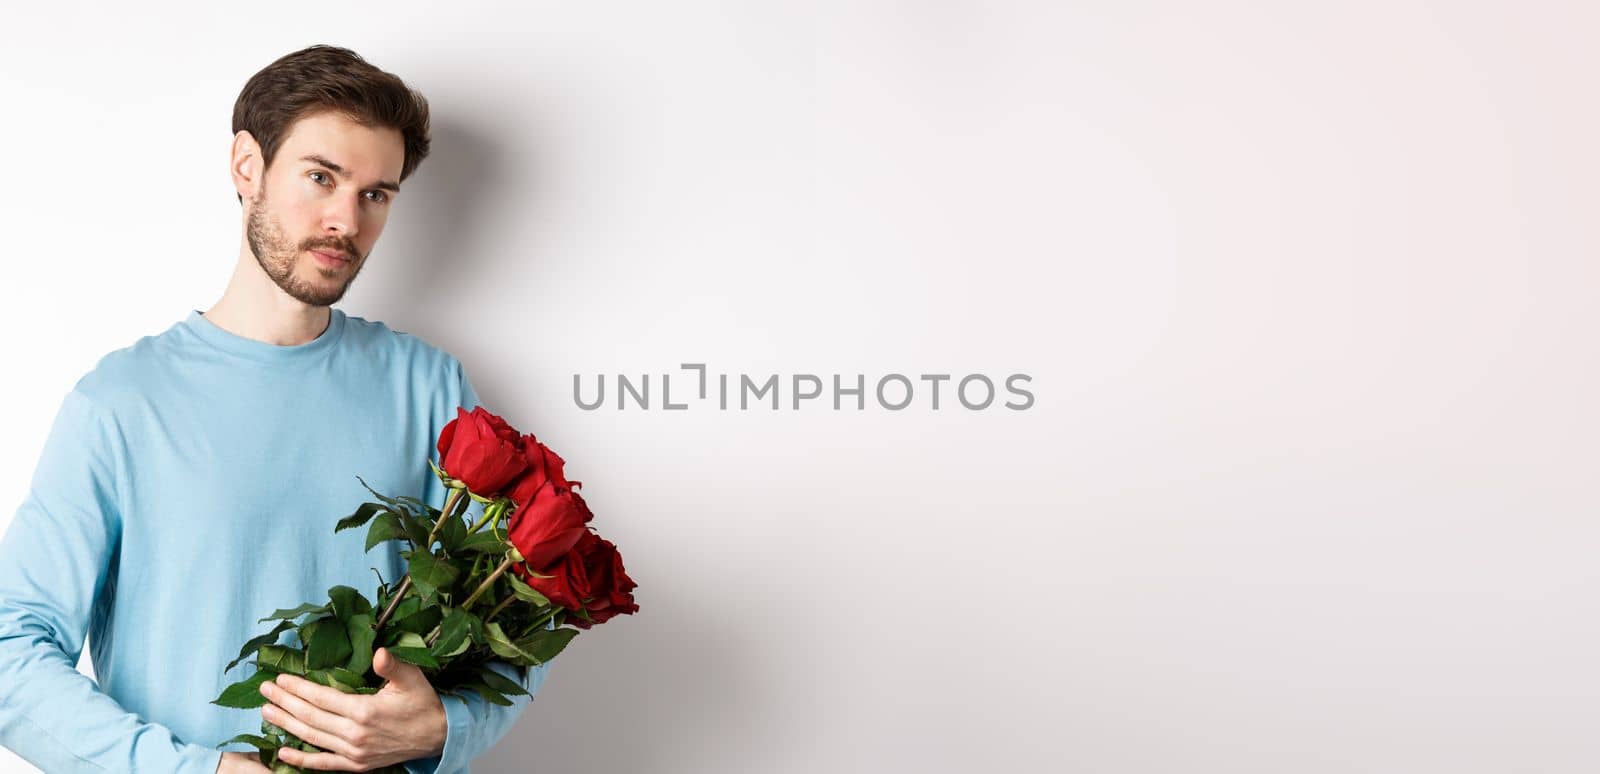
<point>245,166</point>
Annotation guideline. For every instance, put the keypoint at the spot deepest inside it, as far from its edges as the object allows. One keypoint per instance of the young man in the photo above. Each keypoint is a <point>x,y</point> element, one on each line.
<point>190,482</point>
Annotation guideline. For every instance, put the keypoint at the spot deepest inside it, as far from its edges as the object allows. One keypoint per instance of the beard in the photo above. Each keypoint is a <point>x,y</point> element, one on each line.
<point>278,255</point>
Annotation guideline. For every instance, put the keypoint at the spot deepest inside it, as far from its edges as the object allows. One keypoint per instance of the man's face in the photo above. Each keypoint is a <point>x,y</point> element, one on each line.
<point>322,205</point>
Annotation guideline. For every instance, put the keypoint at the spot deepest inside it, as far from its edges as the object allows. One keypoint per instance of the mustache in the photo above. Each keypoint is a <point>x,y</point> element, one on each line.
<point>345,246</point>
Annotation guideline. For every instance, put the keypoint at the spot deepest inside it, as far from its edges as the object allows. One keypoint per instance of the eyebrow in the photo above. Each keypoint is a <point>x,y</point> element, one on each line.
<point>342,172</point>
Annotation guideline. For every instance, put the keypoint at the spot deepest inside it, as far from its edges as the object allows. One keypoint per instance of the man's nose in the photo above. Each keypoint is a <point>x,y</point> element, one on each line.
<point>342,216</point>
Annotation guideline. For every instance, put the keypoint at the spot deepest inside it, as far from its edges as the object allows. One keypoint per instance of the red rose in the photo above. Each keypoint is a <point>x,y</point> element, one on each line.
<point>543,465</point>
<point>481,450</point>
<point>566,584</point>
<point>610,588</point>
<point>589,578</point>
<point>547,526</point>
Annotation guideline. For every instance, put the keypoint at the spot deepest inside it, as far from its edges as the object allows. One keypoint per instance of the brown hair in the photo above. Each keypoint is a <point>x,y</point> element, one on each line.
<point>321,78</point>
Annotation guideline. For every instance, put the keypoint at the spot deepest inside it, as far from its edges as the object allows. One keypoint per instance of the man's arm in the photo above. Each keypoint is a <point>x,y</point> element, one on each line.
<point>54,565</point>
<point>474,724</point>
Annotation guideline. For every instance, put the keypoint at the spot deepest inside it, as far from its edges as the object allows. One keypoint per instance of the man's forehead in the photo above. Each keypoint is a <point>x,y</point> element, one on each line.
<point>365,152</point>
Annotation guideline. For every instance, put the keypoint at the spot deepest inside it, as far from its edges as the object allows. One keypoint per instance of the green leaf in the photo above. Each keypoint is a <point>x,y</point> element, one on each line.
<point>296,612</point>
<point>385,527</point>
<point>249,648</point>
<point>466,642</point>
<point>453,633</point>
<point>359,629</point>
<point>452,533</point>
<point>477,629</point>
<point>360,517</point>
<point>492,695</point>
<point>422,621</point>
<point>340,683</point>
<point>501,683</point>
<point>525,592</point>
<point>465,565</point>
<point>483,543</point>
<point>545,644</point>
<point>258,742</point>
<point>347,602</point>
<point>429,574</point>
<point>504,647</point>
<point>389,501</point>
<point>420,506</point>
<point>407,607</point>
<point>348,677</point>
<point>416,531</point>
<point>417,656</point>
<point>327,643</point>
<point>245,694</point>
<point>278,658</point>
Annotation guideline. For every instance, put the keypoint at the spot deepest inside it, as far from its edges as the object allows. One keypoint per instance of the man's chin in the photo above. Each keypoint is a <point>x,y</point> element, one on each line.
<point>318,289</point>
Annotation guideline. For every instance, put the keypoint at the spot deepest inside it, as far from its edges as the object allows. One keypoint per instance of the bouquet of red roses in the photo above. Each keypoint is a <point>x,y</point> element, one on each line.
<point>457,608</point>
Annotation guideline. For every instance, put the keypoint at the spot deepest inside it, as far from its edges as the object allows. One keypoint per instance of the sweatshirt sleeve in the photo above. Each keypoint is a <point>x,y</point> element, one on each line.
<point>473,723</point>
<point>56,572</point>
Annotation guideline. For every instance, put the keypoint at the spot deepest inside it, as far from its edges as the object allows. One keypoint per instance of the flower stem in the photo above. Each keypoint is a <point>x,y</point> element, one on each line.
<point>405,583</point>
<point>487,582</point>
<point>448,512</point>
<point>499,607</point>
<point>540,621</point>
<point>498,571</point>
<point>399,594</point>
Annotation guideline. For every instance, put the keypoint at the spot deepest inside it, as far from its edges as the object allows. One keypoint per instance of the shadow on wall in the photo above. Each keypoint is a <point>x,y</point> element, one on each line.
<point>432,251</point>
<point>630,696</point>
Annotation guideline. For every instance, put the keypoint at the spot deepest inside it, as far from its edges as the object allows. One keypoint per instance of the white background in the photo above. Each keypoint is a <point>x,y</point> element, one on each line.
<point>1307,291</point>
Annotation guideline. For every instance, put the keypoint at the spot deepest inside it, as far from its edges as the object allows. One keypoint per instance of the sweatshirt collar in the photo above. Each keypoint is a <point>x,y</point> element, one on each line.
<point>261,350</point>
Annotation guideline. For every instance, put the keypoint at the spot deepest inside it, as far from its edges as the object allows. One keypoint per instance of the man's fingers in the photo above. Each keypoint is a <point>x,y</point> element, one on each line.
<point>320,761</point>
<point>336,723</point>
<point>330,699</point>
<point>306,720</point>
<point>294,725</point>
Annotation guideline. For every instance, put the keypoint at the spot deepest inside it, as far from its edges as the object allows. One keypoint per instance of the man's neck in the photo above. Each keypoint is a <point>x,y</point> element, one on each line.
<point>253,306</point>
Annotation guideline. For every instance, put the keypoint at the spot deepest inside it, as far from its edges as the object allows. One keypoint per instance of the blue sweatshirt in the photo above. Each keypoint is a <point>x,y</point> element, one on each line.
<point>189,486</point>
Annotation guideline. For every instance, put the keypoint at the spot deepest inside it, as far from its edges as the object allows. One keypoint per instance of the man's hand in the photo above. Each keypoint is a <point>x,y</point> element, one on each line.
<point>402,721</point>
<point>241,763</point>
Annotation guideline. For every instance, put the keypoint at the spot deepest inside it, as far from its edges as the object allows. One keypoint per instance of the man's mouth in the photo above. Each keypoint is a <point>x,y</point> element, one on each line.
<point>332,257</point>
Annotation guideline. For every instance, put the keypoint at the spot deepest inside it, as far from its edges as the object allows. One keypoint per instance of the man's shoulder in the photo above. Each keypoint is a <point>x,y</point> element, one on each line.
<point>123,373</point>
<point>382,339</point>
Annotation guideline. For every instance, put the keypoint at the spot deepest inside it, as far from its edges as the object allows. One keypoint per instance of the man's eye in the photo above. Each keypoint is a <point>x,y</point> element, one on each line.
<point>318,177</point>
<point>377,196</point>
